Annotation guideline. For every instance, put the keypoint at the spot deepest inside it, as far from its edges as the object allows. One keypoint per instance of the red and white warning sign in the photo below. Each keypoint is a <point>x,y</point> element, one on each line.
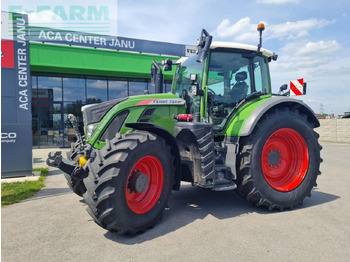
<point>297,87</point>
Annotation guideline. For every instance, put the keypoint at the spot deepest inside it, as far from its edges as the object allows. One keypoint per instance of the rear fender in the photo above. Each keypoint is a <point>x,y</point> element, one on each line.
<point>274,102</point>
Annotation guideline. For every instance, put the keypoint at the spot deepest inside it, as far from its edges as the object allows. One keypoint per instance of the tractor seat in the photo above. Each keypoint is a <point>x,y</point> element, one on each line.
<point>240,88</point>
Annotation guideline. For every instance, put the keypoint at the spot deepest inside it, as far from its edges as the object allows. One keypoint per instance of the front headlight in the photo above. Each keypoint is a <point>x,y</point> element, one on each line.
<point>90,130</point>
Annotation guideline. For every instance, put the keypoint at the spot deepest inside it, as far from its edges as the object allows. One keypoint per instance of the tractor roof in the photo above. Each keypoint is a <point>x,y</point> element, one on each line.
<point>216,44</point>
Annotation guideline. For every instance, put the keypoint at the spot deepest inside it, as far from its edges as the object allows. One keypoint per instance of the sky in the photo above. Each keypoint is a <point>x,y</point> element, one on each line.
<point>311,37</point>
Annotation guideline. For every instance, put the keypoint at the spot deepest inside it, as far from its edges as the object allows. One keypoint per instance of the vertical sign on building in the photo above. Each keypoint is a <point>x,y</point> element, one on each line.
<point>16,116</point>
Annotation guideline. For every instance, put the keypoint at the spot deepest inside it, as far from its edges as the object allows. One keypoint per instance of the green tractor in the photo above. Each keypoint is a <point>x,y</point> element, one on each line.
<point>220,128</point>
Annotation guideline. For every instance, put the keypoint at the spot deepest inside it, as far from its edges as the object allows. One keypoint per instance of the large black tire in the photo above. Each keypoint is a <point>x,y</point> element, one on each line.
<point>75,183</point>
<point>76,151</point>
<point>279,162</point>
<point>111,197</point>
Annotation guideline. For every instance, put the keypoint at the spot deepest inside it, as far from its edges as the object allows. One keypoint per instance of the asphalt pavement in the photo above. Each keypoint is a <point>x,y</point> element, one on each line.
<point>200,225</point>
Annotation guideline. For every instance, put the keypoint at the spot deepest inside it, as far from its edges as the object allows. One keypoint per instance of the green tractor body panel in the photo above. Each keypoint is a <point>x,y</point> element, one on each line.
<point>238,120</point>
<point>162,108</point>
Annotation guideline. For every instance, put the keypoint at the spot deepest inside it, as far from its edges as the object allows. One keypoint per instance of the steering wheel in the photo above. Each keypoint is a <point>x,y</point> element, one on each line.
<point>211,91</point>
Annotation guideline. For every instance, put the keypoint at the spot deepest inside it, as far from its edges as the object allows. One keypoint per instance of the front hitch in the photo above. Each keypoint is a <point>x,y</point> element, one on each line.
<point>71,168</point>
<point>59,162</point>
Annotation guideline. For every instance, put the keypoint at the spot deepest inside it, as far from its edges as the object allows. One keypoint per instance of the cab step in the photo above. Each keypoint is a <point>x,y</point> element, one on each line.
<point>225,187</point>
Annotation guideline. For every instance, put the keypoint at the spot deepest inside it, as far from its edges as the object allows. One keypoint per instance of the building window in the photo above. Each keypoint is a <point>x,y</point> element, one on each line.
<point>34,87</point>
<point>150,87</point>
<point>96,90</point>
<point>167,87</point>
<point>117,88</point>
<point>74,89</point>
<point>137,87</point>
<point>54,96</point>
<point>49,88</point>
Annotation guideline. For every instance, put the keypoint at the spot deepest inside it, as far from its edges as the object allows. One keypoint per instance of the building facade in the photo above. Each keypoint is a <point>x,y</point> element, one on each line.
<point>49,73</point>
<point>64,78</point>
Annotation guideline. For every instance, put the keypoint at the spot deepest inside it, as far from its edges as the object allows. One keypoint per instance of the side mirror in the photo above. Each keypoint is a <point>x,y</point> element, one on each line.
<point>167,64</point>
<point>203,45</point>
<point>283,87</point>
<point>273,57</point>
<point>195,91</point>
<point>193,77</point>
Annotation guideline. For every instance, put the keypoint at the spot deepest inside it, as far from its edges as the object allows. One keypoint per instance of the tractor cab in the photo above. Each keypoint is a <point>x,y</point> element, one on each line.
<point>229,74</point>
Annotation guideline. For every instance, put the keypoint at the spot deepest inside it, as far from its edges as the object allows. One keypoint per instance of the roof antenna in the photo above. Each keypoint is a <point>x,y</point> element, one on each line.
<point>261,27</point>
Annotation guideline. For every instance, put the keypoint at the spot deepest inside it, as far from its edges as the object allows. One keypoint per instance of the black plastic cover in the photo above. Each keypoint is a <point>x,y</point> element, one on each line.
<point>95,113</point>
<point>115,125</point>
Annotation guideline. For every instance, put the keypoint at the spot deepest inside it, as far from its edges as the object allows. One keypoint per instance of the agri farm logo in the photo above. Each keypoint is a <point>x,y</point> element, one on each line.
<point>99,19</point>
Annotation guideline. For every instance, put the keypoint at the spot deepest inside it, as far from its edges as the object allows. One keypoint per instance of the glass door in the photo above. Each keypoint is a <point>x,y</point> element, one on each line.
<point>50,124</point>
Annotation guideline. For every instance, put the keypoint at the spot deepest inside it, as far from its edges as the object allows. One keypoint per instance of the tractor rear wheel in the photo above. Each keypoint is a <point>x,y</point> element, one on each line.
<point>130,182</point>
<point>279,162</point>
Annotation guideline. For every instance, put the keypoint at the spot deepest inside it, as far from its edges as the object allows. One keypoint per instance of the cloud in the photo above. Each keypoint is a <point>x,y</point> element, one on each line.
<point>277,2</point>
<point>296,29</point>
<point>245,31</point>
<point>313,60</point>
<point>97,83</point>
<point>56,79</point>
<point>324,66</point>
<point>320,48</point>
<point>154,21</point>
<point>308,54</point>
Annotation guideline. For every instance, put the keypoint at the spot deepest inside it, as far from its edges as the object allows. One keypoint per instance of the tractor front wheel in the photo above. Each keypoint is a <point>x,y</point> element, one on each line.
<point>129,182</point>
<point>279,162</point>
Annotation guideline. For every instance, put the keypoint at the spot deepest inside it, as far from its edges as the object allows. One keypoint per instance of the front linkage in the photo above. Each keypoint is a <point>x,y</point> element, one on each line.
<point>74,167</point>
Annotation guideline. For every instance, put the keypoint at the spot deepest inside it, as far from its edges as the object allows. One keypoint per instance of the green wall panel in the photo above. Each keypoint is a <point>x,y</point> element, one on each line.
<point>89,61</point>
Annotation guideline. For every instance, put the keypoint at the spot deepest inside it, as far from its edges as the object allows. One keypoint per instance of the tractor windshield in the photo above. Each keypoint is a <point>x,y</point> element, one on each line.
<point>183,83</point>
<point>231,77</point>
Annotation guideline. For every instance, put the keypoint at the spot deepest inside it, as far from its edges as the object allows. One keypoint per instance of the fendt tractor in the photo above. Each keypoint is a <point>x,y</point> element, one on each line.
<point>219,128</point>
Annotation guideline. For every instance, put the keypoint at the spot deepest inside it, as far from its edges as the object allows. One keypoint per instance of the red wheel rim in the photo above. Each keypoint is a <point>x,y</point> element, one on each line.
<point>285,159</point>
<point>141,203</point>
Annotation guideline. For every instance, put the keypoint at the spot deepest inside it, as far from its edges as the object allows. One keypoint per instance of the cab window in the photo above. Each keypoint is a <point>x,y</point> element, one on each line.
<point>229,81</point>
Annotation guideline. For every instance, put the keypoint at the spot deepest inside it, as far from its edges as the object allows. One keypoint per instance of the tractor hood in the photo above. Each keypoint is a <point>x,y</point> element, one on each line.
<point>94,113</point>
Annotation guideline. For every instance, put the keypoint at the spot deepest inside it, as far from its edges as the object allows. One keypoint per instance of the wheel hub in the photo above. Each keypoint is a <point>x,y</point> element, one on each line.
<point>138,182</point>
<point>274,158</point>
